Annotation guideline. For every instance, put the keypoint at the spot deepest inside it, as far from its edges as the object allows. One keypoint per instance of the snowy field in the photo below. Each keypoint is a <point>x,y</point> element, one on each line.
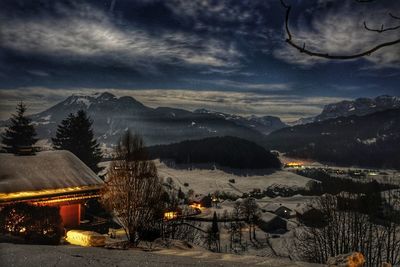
<point>204,181</point>
<point>380,175</point>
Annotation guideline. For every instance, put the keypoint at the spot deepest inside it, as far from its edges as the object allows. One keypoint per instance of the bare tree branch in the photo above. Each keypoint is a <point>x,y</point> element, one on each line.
<point>302,48</point>
<point>382,29</point>
<point>393,16</point>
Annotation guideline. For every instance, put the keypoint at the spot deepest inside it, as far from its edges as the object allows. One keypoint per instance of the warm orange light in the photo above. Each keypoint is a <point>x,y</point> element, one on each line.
<point>196,205</point>
<point>356,260</point>
<point>67,199</point>
<point>39,193</point>
<point>294,164</point>
<point>170,215</point>
<point>85,238</point>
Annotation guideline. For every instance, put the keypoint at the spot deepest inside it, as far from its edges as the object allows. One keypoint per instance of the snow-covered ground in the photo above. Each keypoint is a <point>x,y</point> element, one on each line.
<point>63,255</point>
<point>381,175</point>
<point>204,181</point>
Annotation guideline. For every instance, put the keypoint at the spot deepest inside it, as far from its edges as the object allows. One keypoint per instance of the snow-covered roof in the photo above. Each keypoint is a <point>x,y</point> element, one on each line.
<point>273,207</point>
<point>45,170</point>
<point>267,217</point>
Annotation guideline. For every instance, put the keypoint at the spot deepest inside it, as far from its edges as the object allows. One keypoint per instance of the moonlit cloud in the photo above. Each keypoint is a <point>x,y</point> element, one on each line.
<point>89,34</point>
<point>341,31</point>
<point>228,85</point>
<point>225,55</point>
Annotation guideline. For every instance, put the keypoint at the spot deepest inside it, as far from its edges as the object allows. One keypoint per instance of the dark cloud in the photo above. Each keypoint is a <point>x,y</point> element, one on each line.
<point>205,45</point>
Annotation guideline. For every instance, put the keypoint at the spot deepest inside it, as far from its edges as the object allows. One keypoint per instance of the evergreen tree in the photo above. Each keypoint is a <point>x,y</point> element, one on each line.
<point>20,132</point>
<point>213,238</point>
<point>75,134</point>
<point>214,226</point>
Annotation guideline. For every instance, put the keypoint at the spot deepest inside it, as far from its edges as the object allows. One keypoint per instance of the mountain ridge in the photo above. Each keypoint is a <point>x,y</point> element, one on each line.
<point>372,140</point>
<point>359,106</point>
<point>113,115</point>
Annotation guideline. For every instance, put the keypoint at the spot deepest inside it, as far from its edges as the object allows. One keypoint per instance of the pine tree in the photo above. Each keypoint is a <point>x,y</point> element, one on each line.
<point>75,134</point>
<point>213,235</point>
<point>214,226</point>
<point>20,133</point>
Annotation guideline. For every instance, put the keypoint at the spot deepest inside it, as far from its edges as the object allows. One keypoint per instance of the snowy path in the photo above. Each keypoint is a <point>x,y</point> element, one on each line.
<point>35,255</point>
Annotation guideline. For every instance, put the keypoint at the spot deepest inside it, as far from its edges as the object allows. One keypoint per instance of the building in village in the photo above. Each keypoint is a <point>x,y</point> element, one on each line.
<point>280,210</point>
<point>271,223</point>
<point>51,178</point>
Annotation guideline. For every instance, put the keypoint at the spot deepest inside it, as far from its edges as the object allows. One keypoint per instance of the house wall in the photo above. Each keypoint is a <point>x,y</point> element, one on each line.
<point>71,214</point>
<point>273,225</point>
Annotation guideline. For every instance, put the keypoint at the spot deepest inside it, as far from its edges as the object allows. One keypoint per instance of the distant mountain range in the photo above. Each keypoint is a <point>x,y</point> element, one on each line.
<point>344,132</point>
<point>359,107</point>
<point>264,124</point>
<point>371,140</point>
<point>113,115</point>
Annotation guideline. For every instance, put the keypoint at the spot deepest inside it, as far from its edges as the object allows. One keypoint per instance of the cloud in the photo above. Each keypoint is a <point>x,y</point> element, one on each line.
<point>288,107</point>
<point>340,31</point>
<point>38,73</point>
<point>245,86</point>
<point>85,33</point>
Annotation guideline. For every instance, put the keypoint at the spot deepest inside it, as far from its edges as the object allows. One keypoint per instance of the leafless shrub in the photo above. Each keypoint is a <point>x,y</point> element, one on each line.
<point>133,190</point>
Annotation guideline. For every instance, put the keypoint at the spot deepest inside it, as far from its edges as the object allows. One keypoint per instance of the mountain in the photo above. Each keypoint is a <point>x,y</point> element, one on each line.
<point>301,121</point>
<point>371,140</point>
<point>112,115</point>
<point>264,124</point>
<point>224,151</point>
<point>359,107</point>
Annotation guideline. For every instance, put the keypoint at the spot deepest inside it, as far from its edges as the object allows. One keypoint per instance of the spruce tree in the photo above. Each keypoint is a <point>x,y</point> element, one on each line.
<point>214,226</point>
<point>75,134</point>
<point>20,133</point>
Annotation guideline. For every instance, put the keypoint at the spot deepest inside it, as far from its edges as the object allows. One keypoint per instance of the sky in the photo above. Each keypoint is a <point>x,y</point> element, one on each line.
<point>224,55</point>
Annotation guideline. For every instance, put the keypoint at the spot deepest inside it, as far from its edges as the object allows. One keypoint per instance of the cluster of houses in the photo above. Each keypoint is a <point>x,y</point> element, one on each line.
<point>59,178</point>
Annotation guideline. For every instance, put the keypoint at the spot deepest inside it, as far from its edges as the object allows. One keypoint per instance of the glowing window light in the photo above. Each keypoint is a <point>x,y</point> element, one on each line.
<point>294,164</point>
<point>170,215</point>
<point>196,206</point>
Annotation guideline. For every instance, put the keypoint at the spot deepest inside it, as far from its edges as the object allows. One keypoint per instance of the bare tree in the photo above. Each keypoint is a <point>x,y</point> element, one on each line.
<point>235,228</point>
<point>303,49</point>
<point>250,211</point>
<point>376,236</point>
<point>133,190</point>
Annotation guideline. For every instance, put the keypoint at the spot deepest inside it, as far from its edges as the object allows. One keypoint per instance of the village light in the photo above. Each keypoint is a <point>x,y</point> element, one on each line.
<point>294,164</point>
<point>170,215</point>
<point>196,206</point>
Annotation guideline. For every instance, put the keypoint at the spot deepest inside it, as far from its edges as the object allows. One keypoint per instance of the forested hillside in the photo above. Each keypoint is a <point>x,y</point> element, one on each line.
<point>372,140</point>
<point>223,151</point>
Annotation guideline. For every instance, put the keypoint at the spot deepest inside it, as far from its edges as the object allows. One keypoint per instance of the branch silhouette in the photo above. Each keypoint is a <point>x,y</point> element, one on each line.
<point>302,47</point>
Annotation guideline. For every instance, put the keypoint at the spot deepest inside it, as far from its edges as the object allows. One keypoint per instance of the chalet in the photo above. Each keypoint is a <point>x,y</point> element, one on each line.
<point>280,210</point>
<point>271,223</point>
<point>56,178</point>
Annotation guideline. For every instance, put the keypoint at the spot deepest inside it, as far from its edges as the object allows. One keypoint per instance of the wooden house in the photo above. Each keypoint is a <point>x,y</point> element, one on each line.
<point>56,178</point>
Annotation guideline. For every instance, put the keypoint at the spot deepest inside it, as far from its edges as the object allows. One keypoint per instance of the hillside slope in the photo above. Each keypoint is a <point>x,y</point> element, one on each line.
<point>372,140</point>
<point>223,151</point>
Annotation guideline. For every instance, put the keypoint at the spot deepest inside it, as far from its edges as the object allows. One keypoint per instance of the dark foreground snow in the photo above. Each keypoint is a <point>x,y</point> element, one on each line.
<point>12,255</point>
